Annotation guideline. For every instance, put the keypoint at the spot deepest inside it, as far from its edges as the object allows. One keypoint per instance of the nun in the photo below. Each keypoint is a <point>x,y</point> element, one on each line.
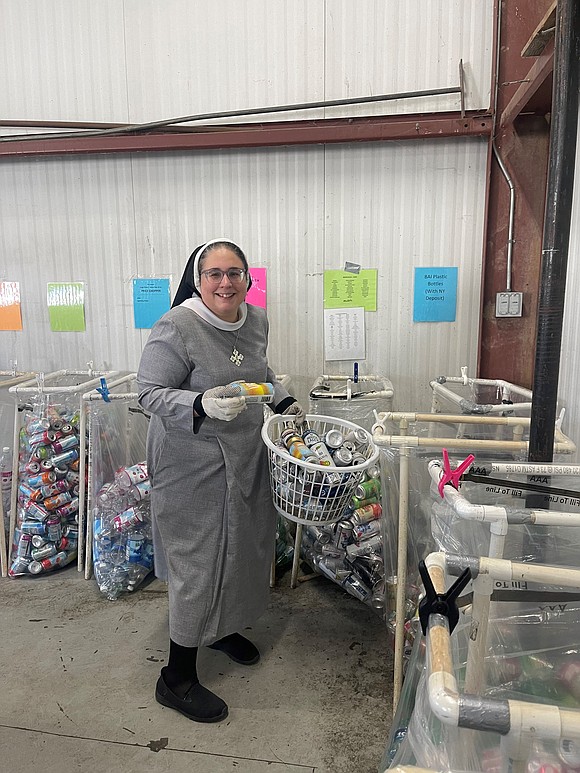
<point>214,523</point>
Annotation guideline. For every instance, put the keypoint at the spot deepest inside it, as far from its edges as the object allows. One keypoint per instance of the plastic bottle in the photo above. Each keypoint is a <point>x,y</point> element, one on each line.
<point>6,478</point>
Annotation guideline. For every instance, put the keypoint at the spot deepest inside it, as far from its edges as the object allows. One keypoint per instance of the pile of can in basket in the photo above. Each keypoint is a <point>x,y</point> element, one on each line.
<point>122,543</point>
<point>349,551</point>
<point>46,534</point>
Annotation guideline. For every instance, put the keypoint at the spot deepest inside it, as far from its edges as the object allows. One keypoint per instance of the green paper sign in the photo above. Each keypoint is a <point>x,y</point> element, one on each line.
<point>66,306</point>
<point>343,289</point>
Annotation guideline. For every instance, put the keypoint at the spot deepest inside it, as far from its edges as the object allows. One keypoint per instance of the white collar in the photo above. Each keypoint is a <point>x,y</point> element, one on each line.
<point>199,307</point>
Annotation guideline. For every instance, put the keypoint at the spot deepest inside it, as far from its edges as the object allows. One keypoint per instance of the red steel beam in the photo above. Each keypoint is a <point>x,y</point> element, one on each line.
<point>398,127</point>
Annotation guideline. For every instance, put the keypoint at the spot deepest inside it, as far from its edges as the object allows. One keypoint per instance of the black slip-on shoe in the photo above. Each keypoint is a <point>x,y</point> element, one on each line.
<point>237,648</point>
<point>199,704</point>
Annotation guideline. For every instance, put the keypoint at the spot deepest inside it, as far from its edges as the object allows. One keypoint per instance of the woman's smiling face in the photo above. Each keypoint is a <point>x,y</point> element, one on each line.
<point>224,298</point>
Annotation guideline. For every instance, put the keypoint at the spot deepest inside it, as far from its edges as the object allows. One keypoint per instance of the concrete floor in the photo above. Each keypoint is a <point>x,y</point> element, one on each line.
<point>78,675</point>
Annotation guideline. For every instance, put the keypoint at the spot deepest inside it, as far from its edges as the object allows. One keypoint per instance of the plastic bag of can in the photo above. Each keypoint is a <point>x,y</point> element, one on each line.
<point>46,526</point>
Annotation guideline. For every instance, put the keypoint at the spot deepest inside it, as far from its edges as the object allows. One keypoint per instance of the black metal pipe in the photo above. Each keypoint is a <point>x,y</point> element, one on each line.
<point>558,212</point>
<point>145,127</point>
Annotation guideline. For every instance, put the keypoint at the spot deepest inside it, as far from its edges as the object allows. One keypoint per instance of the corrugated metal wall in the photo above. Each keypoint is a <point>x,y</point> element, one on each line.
<point>106,219</point>
<point>144,60</point>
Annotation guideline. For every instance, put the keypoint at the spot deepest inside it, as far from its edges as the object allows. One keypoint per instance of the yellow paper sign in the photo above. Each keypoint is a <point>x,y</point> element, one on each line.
<point>344,290</point>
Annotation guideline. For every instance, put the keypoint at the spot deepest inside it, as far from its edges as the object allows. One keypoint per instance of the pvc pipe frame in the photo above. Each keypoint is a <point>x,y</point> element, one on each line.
<point>507,388</point>
<point>31,387</point>
<point>499,519</point>
<point>86,560</point>
<point>516,721</point>
<point>563,445</point>
<point>383,393</point>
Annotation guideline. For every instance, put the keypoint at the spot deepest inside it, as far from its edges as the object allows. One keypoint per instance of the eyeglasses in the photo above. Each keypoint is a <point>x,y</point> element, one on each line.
<point>215,275</point>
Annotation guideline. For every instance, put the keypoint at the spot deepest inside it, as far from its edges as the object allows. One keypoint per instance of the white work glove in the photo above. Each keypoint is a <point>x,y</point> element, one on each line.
<point>219,404</point>
<point>295,412</point>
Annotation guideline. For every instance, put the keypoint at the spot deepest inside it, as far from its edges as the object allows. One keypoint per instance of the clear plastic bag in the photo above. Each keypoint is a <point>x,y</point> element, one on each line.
<point>46,533</point>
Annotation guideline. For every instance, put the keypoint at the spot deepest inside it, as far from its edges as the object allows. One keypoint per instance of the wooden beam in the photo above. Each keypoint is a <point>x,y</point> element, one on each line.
<point>542,34</point>
<point>537,76</point>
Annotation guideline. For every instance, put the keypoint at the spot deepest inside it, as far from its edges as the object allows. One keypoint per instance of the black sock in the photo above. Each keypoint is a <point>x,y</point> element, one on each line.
<point>181,670</point>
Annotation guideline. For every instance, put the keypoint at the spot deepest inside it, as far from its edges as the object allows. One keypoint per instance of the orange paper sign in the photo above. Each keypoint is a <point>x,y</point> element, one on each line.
<point>10,316</point>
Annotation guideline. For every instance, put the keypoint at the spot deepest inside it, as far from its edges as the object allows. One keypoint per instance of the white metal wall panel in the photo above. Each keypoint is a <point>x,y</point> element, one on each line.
<point>388,47</point>
<point>393,206</point>
<point>570,358</point>
<point>143,60</point>
<point>63,60</point>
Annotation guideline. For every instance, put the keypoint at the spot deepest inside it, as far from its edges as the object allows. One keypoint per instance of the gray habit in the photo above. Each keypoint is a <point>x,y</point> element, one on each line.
<point>214,522</point>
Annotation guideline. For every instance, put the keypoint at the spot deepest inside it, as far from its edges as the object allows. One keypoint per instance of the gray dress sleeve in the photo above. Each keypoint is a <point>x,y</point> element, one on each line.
<point>165,366</point>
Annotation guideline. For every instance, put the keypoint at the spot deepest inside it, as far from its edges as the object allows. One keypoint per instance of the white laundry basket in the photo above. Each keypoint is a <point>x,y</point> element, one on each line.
<point>310,493</point>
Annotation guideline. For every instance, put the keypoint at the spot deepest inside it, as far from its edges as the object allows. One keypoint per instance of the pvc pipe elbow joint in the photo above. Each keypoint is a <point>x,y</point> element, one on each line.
<point>443,698</point>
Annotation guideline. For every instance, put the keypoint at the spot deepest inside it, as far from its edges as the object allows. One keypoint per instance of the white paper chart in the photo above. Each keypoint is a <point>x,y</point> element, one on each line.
<point>344,334</point>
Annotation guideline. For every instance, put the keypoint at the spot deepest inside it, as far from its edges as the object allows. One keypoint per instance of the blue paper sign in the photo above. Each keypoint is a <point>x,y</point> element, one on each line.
<point>435,295</point>
<point>150,300</point>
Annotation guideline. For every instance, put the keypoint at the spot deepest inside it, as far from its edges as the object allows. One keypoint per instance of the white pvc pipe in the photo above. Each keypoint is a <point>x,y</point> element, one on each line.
<point>495,513</point>
<point>3,547</point>
<point>401,575</point>
<point>518,721</point>
<point>82,486</point>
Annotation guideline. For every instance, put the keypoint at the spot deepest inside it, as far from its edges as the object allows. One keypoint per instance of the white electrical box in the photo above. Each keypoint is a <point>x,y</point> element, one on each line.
<point>508,304</point>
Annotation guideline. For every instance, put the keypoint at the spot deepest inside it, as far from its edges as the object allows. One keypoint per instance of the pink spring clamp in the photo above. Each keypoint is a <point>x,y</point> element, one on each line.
<point>452,476</point>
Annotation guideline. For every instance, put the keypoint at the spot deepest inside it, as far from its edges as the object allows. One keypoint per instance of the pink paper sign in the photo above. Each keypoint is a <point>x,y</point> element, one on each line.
<point>257,292</point>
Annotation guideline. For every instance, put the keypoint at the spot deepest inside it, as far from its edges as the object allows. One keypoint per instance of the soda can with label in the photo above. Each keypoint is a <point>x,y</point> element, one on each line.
<point>24,545</point>
<point>75,465</point>
<point>46,464</point>
<point>67,429</point>
<point>37,425</point>
<point>356,588</point>
<point>67,457</point>
<point>364,515</point>
<point>32,468</point>
<point>38,541</point>
<point>57,425</point>
<point>20,565</point>
<point>65,443</point>
<point>72,476</point>
<point>318,535</point>
<point>343,534</point>
<point>42,479</point>
<point>45,551</point>
<point>58,500</point>
<point>36,511</point>
<point>314,441</point>
<point>363,531</point>
<point>53,529</point>
<point>372,471</point>
<point>65,511</point>
<point>365,548</point>
<point>333,439</point>
<point>134,547</point>
<point>367,489</point>
<point>33,527</point>
<point>359,503</point>
<point>358,458</point>
<point>296,446</point>
<point>55,488</point>
<point>358,437</point>
<point>36,567</point>
<point>342,457</point>
<point>351,446</point>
